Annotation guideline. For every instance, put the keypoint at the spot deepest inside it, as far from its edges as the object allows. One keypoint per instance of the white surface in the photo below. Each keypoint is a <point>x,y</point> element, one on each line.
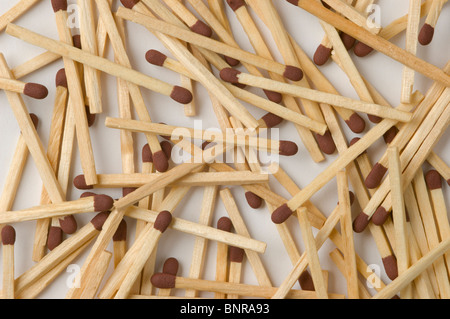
<point>381,71</point>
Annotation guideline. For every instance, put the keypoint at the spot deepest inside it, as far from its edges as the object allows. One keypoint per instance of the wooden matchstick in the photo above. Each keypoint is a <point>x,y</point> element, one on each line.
<point>33,90</point>
<point>426,33</point>
<point>97,203</point>
<point>223,224</point>
<point>399,216</point>
<point>374,41</point>
<point>89,44</point>
<point>15,12</point>
<point>440,166</point>
<point>8,241</point>
<point>120,242</point>
<point>236,256</point>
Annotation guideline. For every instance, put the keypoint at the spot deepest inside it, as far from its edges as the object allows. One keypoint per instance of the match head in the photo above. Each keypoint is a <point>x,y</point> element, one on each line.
<point>272,120</point>
<point>35,91</point>
<point>163,221</point>
<point>322,55</point>
<point>129,4</point>
<point>326,143</point>
<point>293,73</point>
<point>171,266</point>
<point>99,220</point>
<point>230,75</point>
<point>103,203</point>
<point>155,57</point>
<point>127,190</point>
<point>61,79</point>
<point>426,34</point>
<point>202,28</point>
<point>224,224</point>
<point>235,4</point>
<point>281,214</point>
<point>356,123</point>
<point>121,232</point>
<point>288,148</point>
<point>167,147</point>
<point>181,95</point>
<point>76,40</point>
<point>380,216</point>
<point>161,162</point>
<point>68,224</point>
<point>274,96</point>
<point>433,179</point>
<point>306,282</point>
<point>80,183</point>
<point>236,254</point>
<point>163,281</point>
<point>253,200</point>
<point>375,176</point>
<point>90,117</point>
<point>8,235</point>
<point>147,156</point>
<point>54,238</point>
<point>390,266</point>
<point>59,5</point>
<point>34,119</point>
<point>361,222</point>
<point>361,49</point>
<point>348,41</point>
<point>231,61</point>
<point>390,135</point>
<point>294,2</point>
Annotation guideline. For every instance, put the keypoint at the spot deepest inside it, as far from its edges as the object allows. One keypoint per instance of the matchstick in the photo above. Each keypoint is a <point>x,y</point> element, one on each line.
<point>434,183</point>
<point>374,41</point>
<point>33,90</point>
<point>411,46</point>
<point>94,277</point>
<point>399,216</point>
<point>89,44</point>
<point>426,33</point>
<point>96,203</point>
<point>440,166</point>
<point>223,224</point>
<point>347,235</point>
<point>8,241</point>
<point>120,242</point>
<point>236,256</point>
<point>168,281</point>
<point>15,12</point>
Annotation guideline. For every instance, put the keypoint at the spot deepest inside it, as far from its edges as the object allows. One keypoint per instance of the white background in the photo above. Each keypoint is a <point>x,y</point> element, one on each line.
<point>381,71</point>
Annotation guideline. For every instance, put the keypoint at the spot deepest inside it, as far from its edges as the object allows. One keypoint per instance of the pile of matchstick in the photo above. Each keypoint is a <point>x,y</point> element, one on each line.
<point>402,205</point>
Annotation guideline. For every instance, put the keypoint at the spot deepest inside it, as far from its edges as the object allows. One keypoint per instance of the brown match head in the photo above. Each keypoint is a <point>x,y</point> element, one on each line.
<point>356,123</point>
<point>361,222</point>
<point>181,95</point>
<point>161,162</point>
<point>121,231</point>
<point>236,254</point>
<point>272,120</point>
<point>59,5</point>
<point>433,179</point>
<point>354,141</point>
<point>155,57</point>
<point>322,55</point>
<point>380,216</point>
<point>171,266</point>
<point>231,61</point>
<point>90,117</point>
<point>35,91</point>
<point>326,143</point>
<point>163,221</point>
<point>426,34</point>
<point>127,190</point>
<point>235,4</point>
<point>275,97</point>
<point>147,156</point>
<point>202,28</point>
<point>361,49</point>
<point>99,220</point>
<point>55,237</point>
<point>8,235</point>
<point>68,224</point>
<point>167,147</point>
<point>80,183</point>
<point>76,40</point>
<point>390,266</point>
<point>294,2</point>
<point>230,75</point>
<point>293,73</point>
<point>129,4</point>
<point>103,203</point>
<point>281,214</point>
<point>288,148</point>
<point>34,119</point>
<point>348,41</point>
<point>61,78</point>
<point>390,135</point>
<point>375,176</point>
<point>224,224</point>
<point>253,200</point>
<point>306,282</point>
<point>163,281</point>
<point>87,194</point>
<point>374,119</point>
